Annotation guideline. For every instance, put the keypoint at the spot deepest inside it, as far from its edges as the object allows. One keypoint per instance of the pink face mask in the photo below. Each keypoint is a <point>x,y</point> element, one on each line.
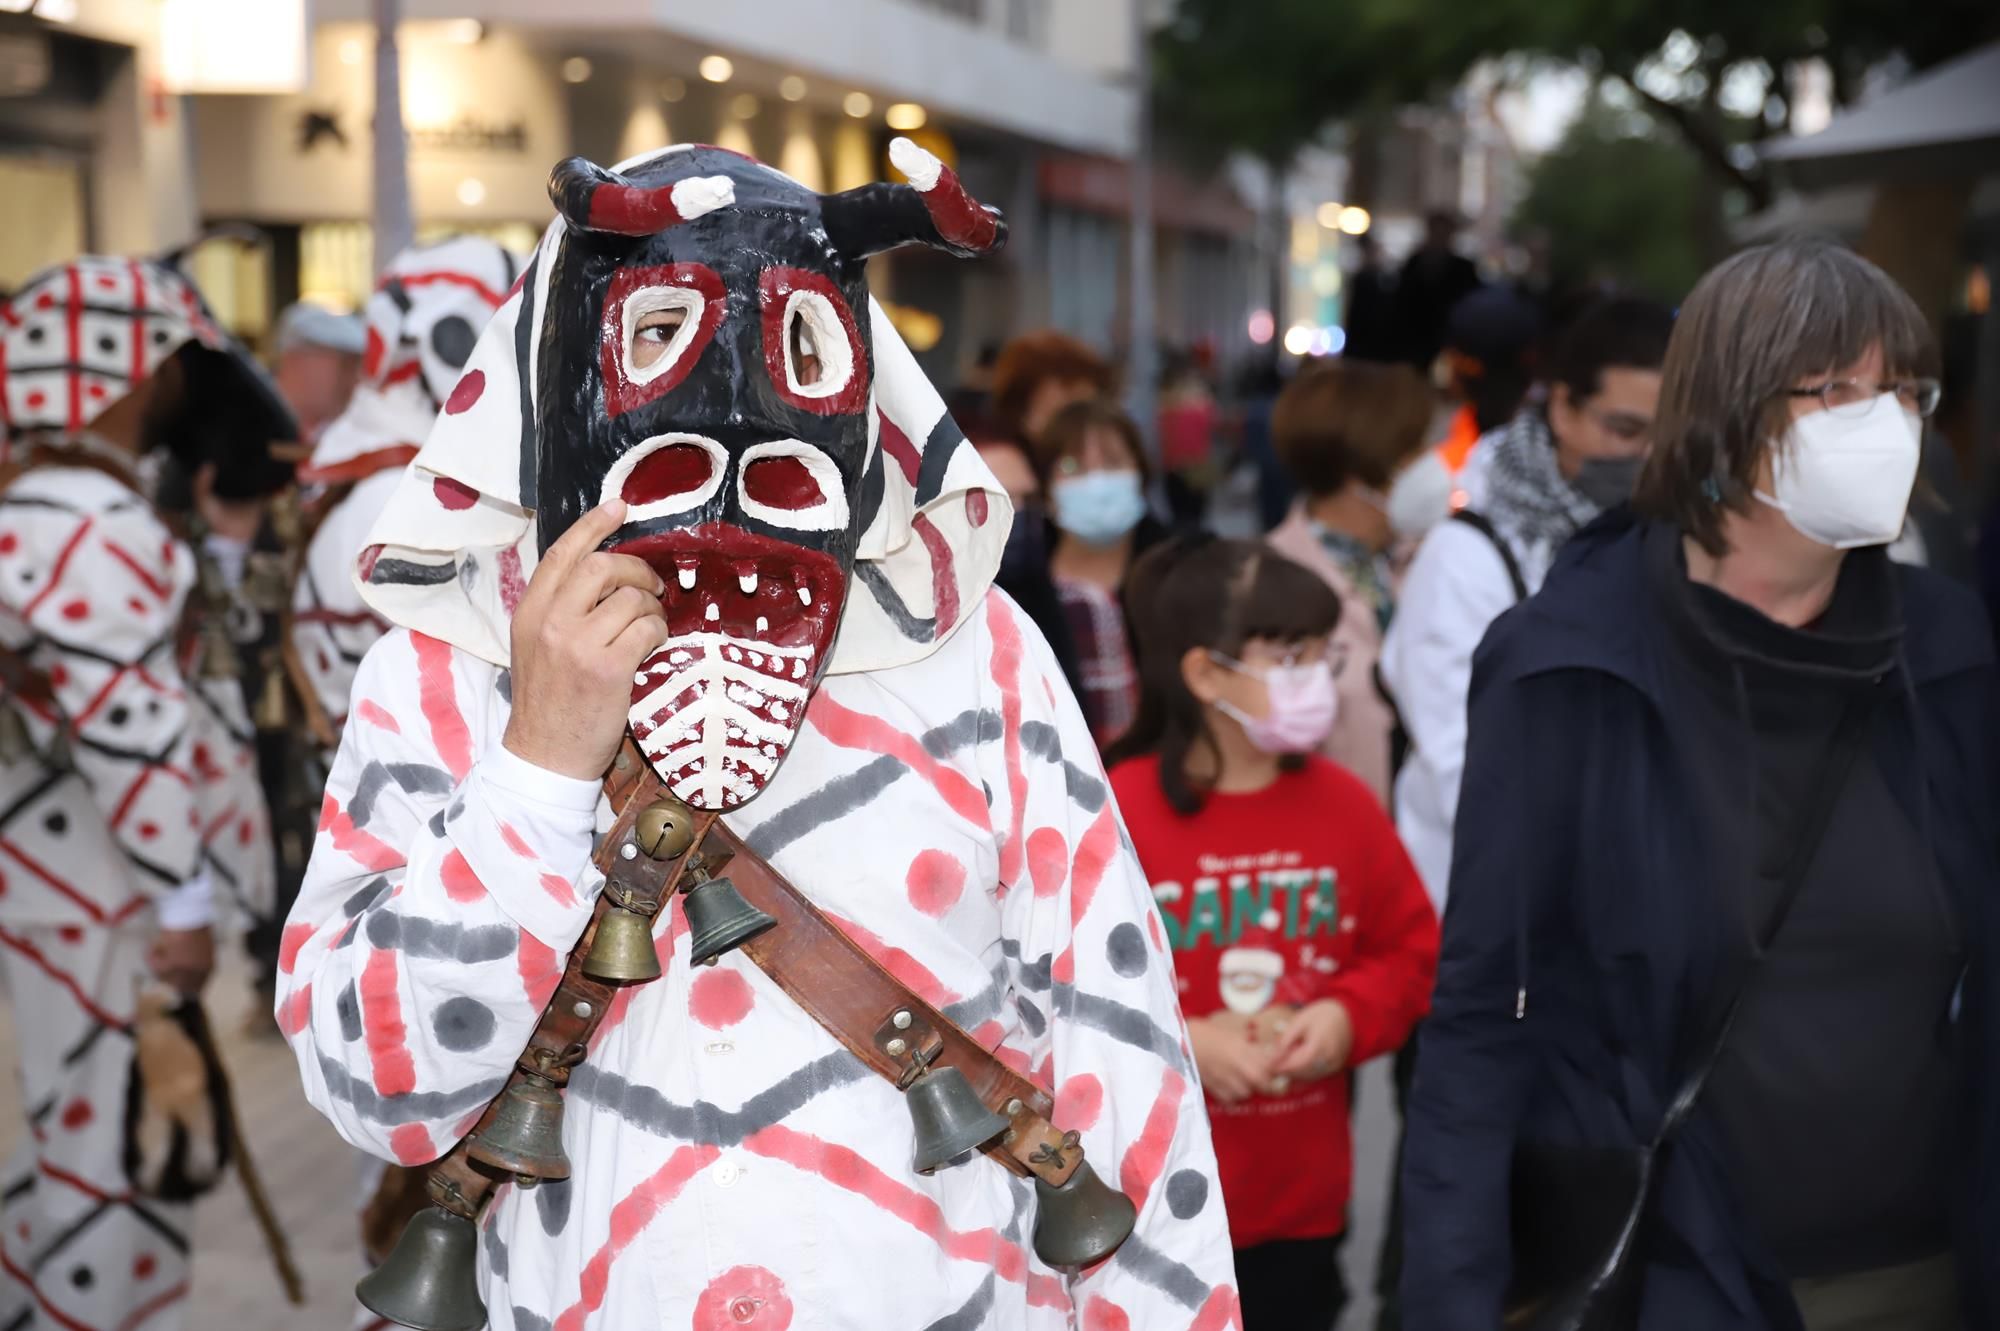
<point>1301,707</point>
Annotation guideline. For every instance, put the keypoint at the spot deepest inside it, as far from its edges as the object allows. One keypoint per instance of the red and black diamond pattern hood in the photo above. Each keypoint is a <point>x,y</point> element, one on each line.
<point>803,522</point>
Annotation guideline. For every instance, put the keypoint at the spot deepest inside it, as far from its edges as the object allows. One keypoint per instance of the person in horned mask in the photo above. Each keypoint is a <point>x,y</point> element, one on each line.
<point>693,484</point>
<point>114,763</point>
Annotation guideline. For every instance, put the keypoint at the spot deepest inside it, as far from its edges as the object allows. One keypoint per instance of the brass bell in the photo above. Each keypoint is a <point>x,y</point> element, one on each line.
<point>1081,1222</point>
<point>719,919</point>
<point>218,653</point>
<point>950,1119</point>
<point>622,950</point>
<point>274,700</point>
<point>525,1137</point>
<point>665,829</point>
<point>431,1280</point>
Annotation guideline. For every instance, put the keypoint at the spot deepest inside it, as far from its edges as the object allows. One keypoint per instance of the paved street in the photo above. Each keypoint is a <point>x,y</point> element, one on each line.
<point>310,1175</point>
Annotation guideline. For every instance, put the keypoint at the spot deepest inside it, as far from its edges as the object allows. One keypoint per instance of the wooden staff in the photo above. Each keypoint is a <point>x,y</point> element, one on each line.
<point>260,1206</point>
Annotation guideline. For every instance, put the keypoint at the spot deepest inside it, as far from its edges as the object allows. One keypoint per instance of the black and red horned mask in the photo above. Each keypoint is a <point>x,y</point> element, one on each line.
<point>705,355</point>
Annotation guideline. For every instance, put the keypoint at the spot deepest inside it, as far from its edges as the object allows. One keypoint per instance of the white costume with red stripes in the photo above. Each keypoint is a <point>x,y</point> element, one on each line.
<point>99,850</point>
<point>733,1165</point>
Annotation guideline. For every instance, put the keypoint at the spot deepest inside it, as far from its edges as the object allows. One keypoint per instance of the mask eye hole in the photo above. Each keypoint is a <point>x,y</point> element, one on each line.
<point>812,349</point>
<point>655,332</point>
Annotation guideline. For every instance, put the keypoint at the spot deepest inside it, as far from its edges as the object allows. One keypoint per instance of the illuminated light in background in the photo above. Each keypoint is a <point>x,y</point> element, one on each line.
<point>1262,327</point>
<point>905,116</point>
<point>352,52</point>
<point>1329,341</point>
<point>1329,216</point>
<point>743,105</point>
<point>792,88</point>
<point>1299,339</point>
<point>57,11</point>
<point>858,105</point>
<point>465,31</point>
<point>735,136</point>
<point>717,68</point>
<point>472,191</point>
<point>800,158</point>
<point>672,90</point>
<point>16,6</point>
<point>1326,280</point>
<point>225,46</point>
<point>1355,221</point>
<point>576,69</point>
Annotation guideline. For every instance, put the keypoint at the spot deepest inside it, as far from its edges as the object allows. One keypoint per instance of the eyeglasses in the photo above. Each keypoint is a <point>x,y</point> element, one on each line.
<point>1851,397</point>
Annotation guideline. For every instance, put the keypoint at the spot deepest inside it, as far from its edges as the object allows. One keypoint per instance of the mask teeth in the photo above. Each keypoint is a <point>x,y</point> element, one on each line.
<point>687,576</point>
<point>746,580</point>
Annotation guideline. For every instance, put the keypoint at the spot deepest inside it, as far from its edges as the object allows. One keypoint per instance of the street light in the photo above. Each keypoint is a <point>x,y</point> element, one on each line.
<point>743,106</point>
<point>576,69</point>
<point>1329,216</point>
<point>905,116</point>
<point>792,88</point>
<point>672,90</point>
<point>858,105</point>
<point>465,31</point>
<point>1299,339</point>
<point>717,68</point>
<point>1355,221</point>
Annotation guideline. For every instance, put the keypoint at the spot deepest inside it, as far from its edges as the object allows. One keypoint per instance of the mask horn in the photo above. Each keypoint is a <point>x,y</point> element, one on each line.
<point>933,209</point>
<point>593,199</point>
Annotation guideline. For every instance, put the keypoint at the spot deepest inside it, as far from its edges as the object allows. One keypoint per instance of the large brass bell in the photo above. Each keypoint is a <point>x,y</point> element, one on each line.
<point>664,829</point>
<point>430,1281</point>
<point>622,950</point>
<point>1082,1221</point>
<point>950,1119</point>
<point>719,919</point>
<point>525,1137</point>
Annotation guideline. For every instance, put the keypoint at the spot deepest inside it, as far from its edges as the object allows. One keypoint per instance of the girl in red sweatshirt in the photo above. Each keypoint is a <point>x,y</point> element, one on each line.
<point>1303,942</point>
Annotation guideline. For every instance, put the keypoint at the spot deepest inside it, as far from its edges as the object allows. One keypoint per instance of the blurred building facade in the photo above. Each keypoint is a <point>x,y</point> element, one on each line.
<point>1034,102</point>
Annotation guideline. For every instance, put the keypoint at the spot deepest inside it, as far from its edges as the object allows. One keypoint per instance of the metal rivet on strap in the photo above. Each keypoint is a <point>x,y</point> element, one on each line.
<point>1014,1107</point>
<point>901,1021</point>
<point>583,1009</point>
<point>897,1048</point>
<point>628,851</point>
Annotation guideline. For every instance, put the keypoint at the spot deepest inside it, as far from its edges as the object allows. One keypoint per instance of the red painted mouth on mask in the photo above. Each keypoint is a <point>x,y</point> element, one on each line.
<point>751,621</point>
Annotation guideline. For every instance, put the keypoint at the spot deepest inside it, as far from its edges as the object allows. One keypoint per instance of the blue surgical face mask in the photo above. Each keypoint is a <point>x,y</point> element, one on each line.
<point>1098,507</point>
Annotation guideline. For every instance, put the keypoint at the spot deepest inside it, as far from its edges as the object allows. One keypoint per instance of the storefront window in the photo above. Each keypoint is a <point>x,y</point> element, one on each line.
<point>41,214</point>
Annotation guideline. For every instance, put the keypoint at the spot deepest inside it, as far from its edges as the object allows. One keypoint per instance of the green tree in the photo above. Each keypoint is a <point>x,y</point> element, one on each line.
<point>1612,201</point>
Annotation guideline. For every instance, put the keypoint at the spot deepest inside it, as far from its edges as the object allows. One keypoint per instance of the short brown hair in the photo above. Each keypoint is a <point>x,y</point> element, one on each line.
<point>1754,326</point>
<point>1350,420</point>
<point>1033,359</point>
<point>1069,428</point>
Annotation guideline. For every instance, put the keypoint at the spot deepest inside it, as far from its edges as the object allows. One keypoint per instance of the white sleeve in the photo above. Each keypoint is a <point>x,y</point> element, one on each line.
<point>1456,587</point>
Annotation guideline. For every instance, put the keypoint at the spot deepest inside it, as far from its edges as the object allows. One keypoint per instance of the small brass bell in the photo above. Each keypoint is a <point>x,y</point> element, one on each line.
<point>622,950</point>
<point>950,1119</point>
<point>431,1280</point>
<point>274,700</point>
<point>1081,1222</point>
<point>218,653</point>
<point>665,829</point>
<point>525,1137</point>
<point>719,919</point>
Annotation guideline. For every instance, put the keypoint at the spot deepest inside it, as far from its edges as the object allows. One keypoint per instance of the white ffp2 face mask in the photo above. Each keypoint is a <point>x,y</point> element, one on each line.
<point>1419,496</point>
<point>1845,481</point>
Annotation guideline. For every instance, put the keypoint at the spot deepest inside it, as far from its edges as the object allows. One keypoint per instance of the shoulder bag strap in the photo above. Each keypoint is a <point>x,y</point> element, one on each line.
<point>1481,524</point>
<point>1809,828</point>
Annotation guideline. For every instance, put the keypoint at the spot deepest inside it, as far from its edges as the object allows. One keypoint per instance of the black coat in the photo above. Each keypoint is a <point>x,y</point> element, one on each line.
<point>1583,877</point>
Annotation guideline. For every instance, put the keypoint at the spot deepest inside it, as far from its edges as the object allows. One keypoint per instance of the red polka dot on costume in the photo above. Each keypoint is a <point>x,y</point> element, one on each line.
<point>935,881</point>
<point>719,998</point>
<point>77,609</point>
<point>202,757</point>
<point>9,543</point>
<point>46,301</point>
<point>58,674</point>
<point>373,354</point>
<point>743,1297</point>
<point>466,393</point>
<point>452,494</point>
<point>1101,1314</point>
<point>144,1266</point>
<point>107,281</point>
<point>246,832</point>
<point>36,398</point>
<point>975,507</point>
<point>135,605</point>
<point>1048,860</point>
<point>77,1114</point>
<point>70,933</point>
<point>147,831</point>
<point>96,391</point>
<point>1153,931</point>
<point>1078,1103</point>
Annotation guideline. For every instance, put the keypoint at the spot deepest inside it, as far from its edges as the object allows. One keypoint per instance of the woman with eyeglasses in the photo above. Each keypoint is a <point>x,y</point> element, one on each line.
<point>1714,1037</point>
<point>1303,943</point>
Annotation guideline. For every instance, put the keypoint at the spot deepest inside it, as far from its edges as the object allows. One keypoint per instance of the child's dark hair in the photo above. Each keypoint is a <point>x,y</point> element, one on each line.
<point>1199,591</point>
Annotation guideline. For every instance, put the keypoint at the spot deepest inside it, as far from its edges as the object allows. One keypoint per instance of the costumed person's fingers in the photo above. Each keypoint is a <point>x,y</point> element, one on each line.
<point>615,612</point>
<point>601,575</point>
<point>582,538</point>
<point>640,639</point>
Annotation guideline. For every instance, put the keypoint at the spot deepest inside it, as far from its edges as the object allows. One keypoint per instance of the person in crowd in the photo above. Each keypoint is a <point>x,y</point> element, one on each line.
<point>1095,473</point>
<point>1488,372</point>
<point>1370,314</point>
<point>1302,939</point>
<point>1352,432</point>
<point>1186,425</point>
<point>113,887</point>
<point>1024,564</point>
<point>714,583</point>
<point>1727,841</point>
<point>1037,375</point>
<point>318,363</point>
<point>1434,279</point>
<point>1257,389</point>
<point>1555,467</point>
